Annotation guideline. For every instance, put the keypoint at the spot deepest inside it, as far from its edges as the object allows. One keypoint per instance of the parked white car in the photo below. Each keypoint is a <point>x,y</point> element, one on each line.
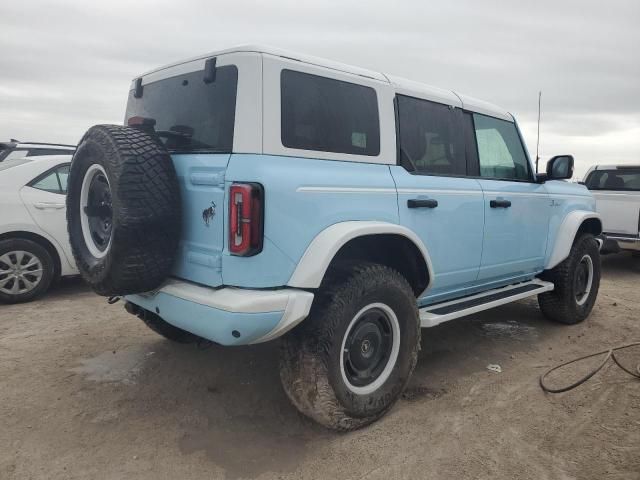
<point>617,192</point>
<point>34,244</point>
<point>16,149</point>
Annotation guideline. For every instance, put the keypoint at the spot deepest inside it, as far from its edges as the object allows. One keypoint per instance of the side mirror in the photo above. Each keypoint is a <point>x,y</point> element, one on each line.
<point>560,167</point>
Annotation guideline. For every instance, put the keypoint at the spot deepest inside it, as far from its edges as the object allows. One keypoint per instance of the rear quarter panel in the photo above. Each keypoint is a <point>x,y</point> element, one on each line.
<point>303,197</point>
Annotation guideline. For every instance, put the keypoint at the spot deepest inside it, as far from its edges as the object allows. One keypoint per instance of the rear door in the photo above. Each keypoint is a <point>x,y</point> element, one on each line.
<point>45,198</point>
<point>201,123</point>
<point>516,208</point>
<point>436,198</point>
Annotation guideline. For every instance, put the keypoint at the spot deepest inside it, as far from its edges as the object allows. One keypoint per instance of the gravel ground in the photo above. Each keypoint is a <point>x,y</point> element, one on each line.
<point>87,391</point>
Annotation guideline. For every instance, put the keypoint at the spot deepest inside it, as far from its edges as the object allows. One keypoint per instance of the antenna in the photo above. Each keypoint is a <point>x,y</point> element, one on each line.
<point>538,140</point>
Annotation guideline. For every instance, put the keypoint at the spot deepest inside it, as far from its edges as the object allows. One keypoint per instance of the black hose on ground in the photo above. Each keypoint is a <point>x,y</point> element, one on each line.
<point>610,353</point>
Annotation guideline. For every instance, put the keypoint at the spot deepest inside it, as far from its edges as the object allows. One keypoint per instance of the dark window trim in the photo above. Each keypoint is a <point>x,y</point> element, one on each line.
<point>377,105</point>
<point>46,174</point>
<point>471,144</point>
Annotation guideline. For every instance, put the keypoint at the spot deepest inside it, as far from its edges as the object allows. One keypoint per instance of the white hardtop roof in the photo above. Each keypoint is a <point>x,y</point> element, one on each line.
<point>436,94</point>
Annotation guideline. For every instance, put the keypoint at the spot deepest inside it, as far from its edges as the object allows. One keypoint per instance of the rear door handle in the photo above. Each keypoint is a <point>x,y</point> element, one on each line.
<point>500,203</point>
<point>422,203</point>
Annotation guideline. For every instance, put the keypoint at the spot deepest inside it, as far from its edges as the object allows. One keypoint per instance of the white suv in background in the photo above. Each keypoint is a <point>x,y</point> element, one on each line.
<point>34,244</point>
<point>15,149</point>
<point>617,192</point>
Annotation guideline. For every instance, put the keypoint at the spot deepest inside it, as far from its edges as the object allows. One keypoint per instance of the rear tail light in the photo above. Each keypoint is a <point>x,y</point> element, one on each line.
<point>246,215</point>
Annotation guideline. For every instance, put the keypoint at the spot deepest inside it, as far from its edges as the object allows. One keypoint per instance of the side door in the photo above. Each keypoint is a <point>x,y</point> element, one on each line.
<point>45,200</point>
<point>436,198</point>
<point>516,208</point>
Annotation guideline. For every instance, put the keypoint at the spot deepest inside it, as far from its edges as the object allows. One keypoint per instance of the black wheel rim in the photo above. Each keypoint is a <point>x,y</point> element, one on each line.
<point>99,211</point>
<point>367,348</point>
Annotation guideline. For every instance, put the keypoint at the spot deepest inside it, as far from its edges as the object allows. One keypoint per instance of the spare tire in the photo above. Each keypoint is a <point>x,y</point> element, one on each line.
<point>123,210</point>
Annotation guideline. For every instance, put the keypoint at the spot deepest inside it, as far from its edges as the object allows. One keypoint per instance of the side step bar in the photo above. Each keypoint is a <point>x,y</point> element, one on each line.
<point>435,314</point>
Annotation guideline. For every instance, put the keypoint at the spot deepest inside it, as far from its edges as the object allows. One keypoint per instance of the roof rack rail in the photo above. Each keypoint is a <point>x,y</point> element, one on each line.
<point>51,144</point>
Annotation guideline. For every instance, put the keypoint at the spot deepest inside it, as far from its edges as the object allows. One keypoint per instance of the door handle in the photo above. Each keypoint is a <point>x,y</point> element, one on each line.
<point>46,205</point>
<point>422,203</point>
<point>500,203</point>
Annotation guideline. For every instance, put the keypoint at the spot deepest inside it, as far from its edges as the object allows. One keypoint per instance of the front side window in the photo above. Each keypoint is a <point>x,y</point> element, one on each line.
<point>431,137</point>
<point>55,181</point>
<point>327,115</point>
<point>191,115</point>
<point>500,150</point>
<point>625,179</point>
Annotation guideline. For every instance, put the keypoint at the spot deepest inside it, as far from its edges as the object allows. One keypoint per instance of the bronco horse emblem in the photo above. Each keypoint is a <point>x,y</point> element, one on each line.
<point>208,213</point>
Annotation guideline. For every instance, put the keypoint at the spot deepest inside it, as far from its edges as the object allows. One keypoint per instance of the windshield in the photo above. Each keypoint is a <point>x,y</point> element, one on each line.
<point>625,179</point>
<point>191,115</point>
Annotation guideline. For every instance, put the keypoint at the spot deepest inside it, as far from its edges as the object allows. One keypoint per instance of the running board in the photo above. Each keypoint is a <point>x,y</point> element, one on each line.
<point>435,314</point>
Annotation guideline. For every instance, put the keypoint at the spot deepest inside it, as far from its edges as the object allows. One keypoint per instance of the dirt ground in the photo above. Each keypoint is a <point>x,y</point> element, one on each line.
<point>88,392</point>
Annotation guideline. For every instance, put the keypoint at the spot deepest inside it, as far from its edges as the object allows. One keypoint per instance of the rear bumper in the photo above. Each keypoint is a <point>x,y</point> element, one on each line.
<point>228,316</point>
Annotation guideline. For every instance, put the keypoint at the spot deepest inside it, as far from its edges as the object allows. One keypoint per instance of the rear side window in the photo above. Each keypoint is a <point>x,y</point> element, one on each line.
<point>191,115</point>
<point>54,181</point>
<point>624,179</point>
<point>431,137</point>
<point>327,115</point>
<point>500,149</point>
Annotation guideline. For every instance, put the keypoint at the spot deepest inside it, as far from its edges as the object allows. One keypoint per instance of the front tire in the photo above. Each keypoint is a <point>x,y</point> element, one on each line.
<point>576,280</point>
<point>347,364</point>
<point>26,270</point>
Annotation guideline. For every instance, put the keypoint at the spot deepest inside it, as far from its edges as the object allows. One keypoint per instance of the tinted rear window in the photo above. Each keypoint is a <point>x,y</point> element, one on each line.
<point>190,115</point>
<point>626,179</point>
<point>328,115</point>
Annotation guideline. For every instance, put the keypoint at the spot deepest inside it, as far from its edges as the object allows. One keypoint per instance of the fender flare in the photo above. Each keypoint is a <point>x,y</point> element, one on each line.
<point>567,234</point>
<point>316,259</point>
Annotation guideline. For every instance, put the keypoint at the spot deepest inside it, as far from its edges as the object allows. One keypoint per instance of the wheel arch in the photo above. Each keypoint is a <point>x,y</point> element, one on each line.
<point>381,242</point>
<point>574,223</point>
<point>43,242</point>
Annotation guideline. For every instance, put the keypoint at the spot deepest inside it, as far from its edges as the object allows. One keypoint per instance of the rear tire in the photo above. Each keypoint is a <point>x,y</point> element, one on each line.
<point>26,270</point>
<point>576,280</point>
<point>347,364</point>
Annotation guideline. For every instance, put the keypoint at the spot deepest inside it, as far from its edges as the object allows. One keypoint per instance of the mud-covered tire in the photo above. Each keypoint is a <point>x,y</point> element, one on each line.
<point>143,226</point>
<point>312,369</point>
<point>29,251</point>
<point>562,304</point>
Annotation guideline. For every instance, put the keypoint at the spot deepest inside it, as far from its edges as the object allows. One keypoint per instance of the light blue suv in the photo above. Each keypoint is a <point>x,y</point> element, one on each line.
<point>256,194</point>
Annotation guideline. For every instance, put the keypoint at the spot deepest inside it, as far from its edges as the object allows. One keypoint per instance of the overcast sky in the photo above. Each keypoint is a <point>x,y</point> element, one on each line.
<point>66,65</point>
